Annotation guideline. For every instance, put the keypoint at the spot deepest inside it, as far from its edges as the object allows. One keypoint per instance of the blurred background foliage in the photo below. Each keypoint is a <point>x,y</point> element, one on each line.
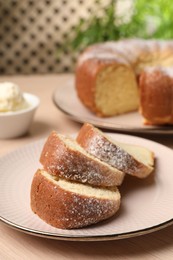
<point>143,19</point>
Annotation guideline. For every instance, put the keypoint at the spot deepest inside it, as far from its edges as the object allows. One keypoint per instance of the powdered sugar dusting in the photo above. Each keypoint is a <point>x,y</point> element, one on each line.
<point>129,51</point>
<point>86,211</point>
<point>164,70</point>
<point>110,153</point>
<point>119,50</point>
<point>65,158</point>
<point>168,71</point>
<point>64,208</point>
<point>101,54</point>
<point>82,169</point>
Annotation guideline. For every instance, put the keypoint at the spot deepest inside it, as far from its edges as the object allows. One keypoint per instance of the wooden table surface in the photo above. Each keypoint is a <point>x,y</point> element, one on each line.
<point>17,245</point>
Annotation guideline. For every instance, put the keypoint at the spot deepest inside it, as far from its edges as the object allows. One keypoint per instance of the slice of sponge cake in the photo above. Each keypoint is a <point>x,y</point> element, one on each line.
<point>68,205</point>
<point>64,157</point>
<point>130,159</point>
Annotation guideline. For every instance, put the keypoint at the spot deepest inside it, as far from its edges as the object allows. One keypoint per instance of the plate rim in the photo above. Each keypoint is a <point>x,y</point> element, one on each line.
<point>108,126</point>
<point>65,237</point>
<point>101,237</point>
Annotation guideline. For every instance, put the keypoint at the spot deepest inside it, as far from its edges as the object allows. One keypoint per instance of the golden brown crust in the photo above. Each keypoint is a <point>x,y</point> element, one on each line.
<point>94,142</point>
<point>62,161</point>
<point>64,209</point>
<point>86,77</point>
<point>156,96</point>
<point>84,74</point>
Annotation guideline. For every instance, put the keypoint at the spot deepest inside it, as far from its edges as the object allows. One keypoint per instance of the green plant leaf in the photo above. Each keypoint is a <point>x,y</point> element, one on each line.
<point>150,19</point>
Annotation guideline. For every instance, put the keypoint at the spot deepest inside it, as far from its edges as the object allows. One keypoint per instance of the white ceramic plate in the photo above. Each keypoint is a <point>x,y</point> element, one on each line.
<point>65,98</point>
<point>146,204</point>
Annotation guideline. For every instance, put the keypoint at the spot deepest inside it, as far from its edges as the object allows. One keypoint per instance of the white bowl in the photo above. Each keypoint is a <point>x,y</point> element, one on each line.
<point>17,123</point>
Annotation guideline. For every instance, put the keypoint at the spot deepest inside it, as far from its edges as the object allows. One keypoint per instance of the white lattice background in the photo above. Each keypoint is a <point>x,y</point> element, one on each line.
<point>32,32</point>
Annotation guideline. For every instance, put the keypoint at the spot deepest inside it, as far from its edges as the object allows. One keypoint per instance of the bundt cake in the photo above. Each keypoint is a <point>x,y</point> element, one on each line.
<point>107,76</point>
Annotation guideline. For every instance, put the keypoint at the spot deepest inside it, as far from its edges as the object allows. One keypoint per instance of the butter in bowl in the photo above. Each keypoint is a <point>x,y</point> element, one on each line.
<point>17,110</point>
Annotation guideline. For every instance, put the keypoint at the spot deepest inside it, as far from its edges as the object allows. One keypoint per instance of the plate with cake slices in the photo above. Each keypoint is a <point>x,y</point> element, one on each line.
<point>87,187</point>
<point>66,99</point>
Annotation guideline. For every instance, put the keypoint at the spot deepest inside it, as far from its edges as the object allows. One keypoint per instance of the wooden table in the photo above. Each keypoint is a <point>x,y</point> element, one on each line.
<point>17,245</point>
